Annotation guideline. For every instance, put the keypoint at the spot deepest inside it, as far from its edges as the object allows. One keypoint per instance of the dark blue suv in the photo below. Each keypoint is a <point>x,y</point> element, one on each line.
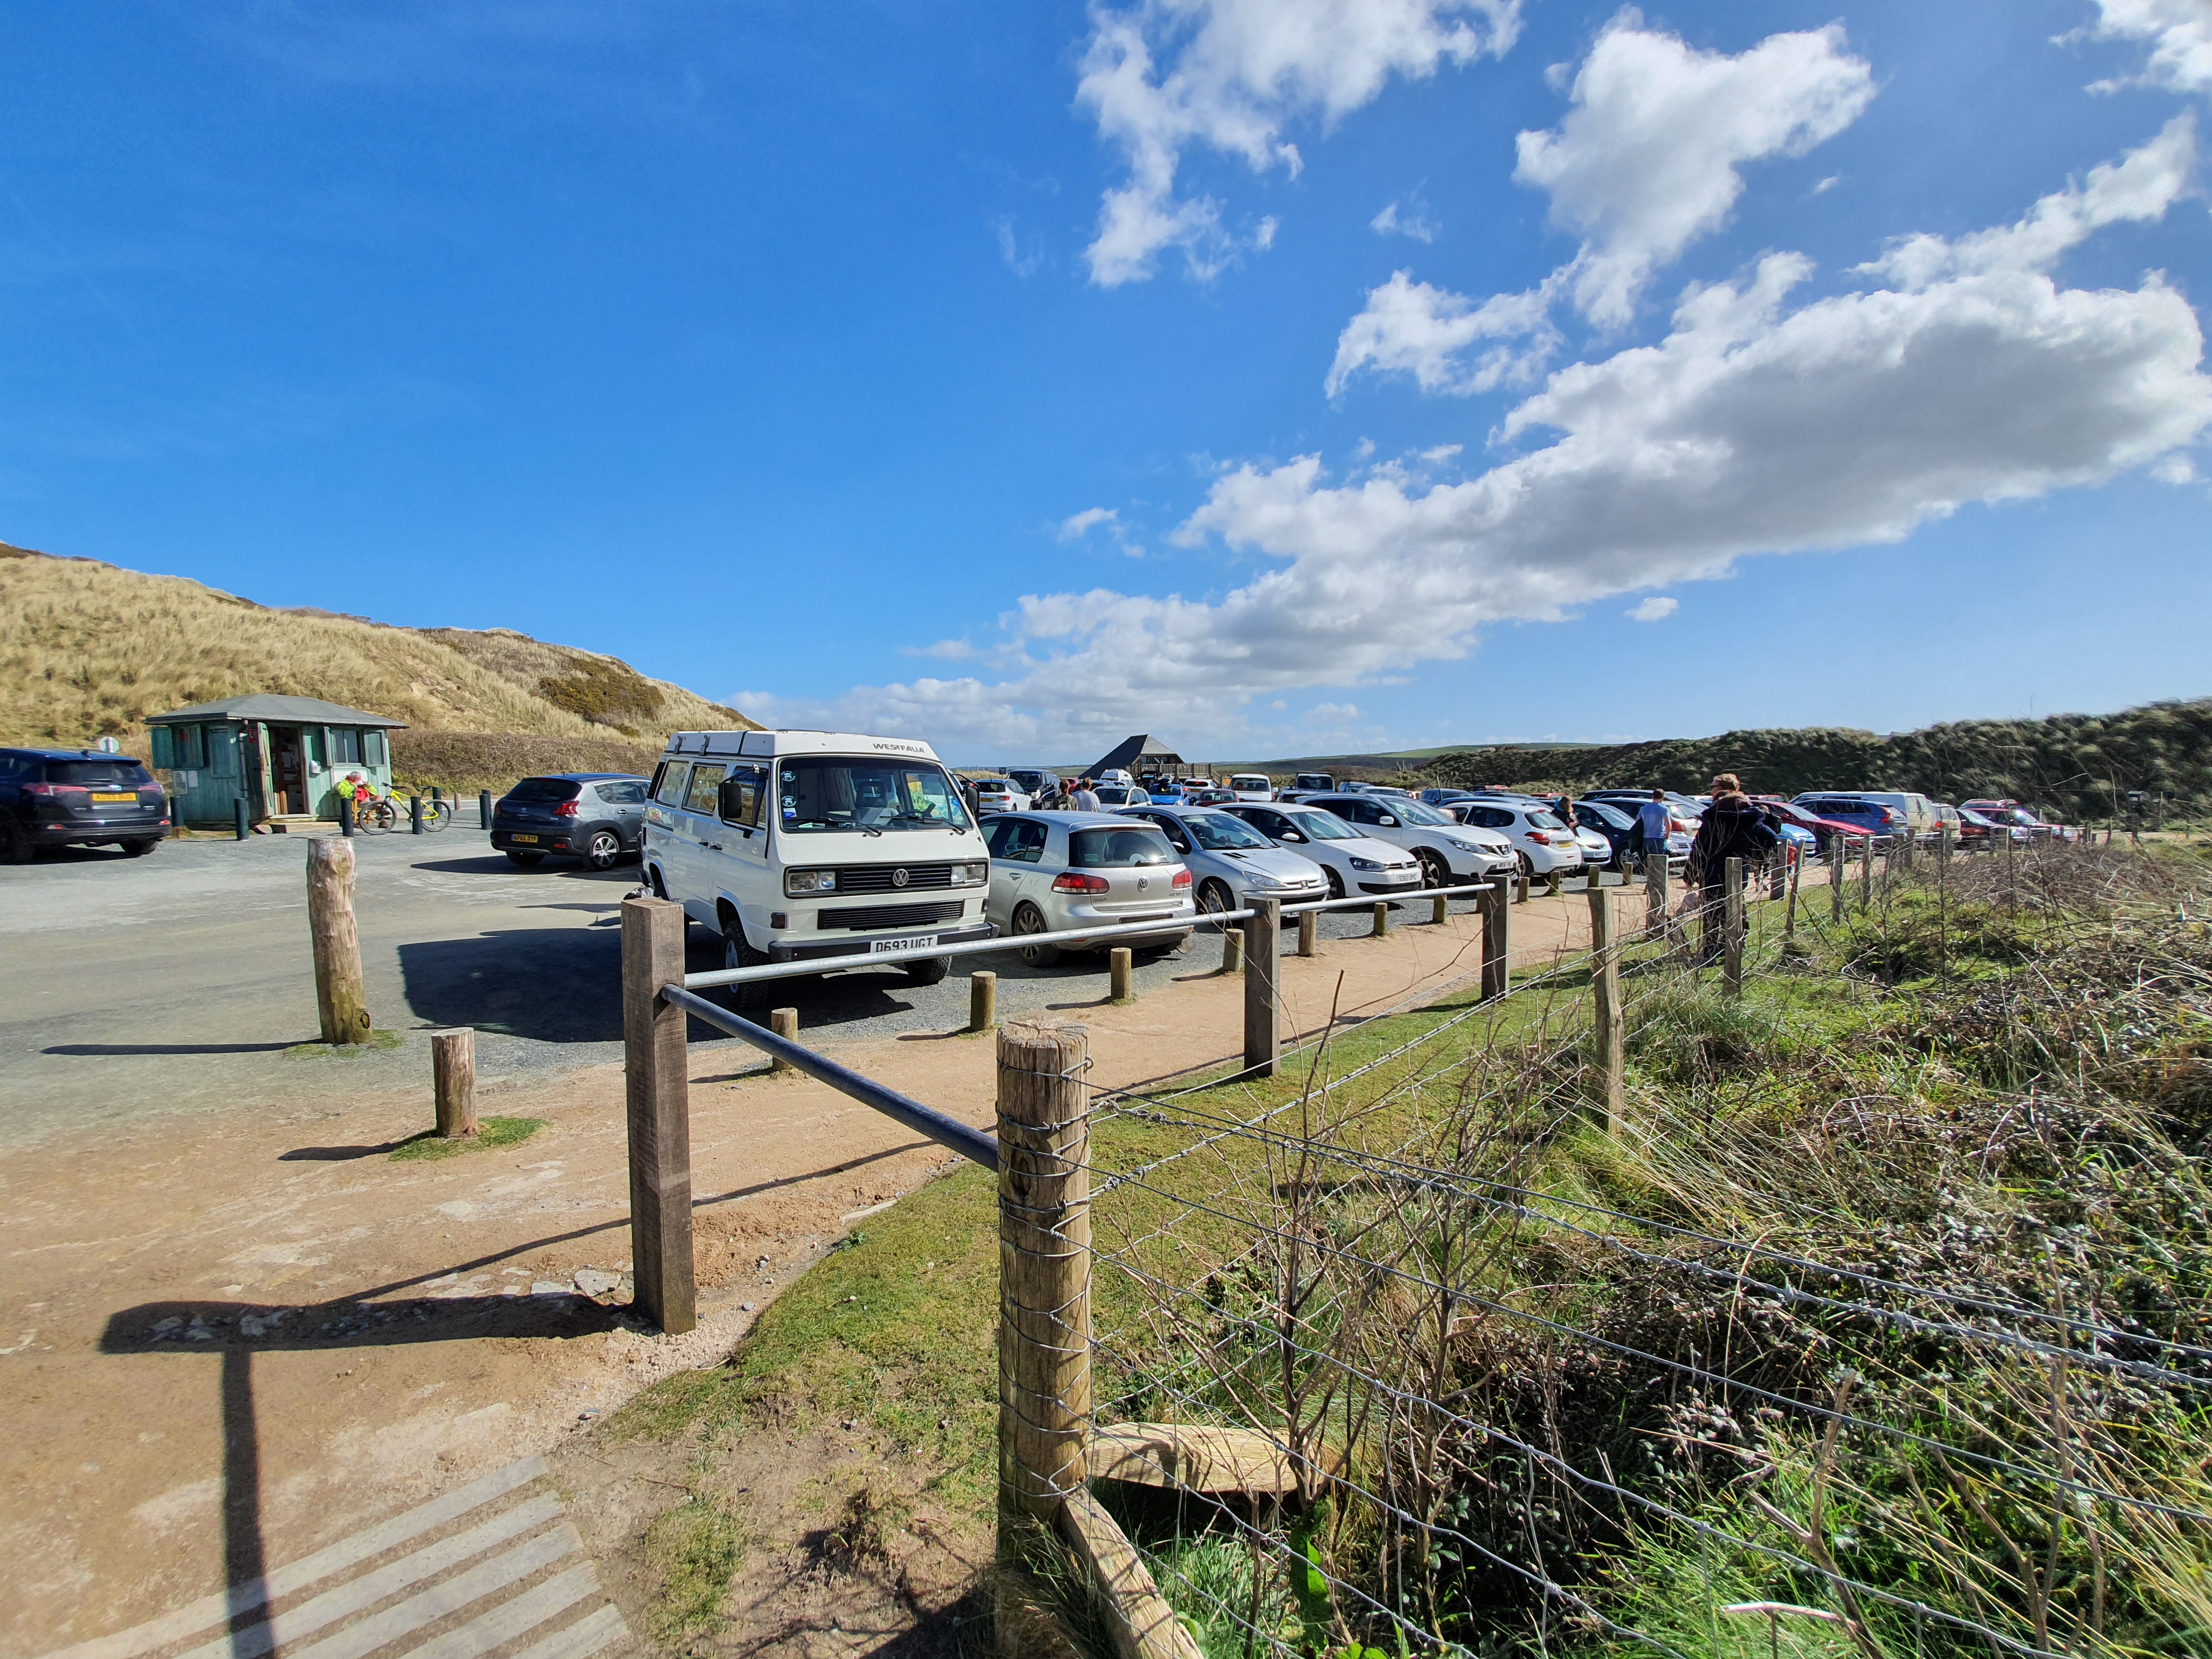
<point>77,797</point>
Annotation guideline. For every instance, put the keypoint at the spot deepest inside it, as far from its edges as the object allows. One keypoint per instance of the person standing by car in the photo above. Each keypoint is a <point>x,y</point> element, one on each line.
<point>1653,821</point>
<point>1085,799</point>
<point>1733,828</point>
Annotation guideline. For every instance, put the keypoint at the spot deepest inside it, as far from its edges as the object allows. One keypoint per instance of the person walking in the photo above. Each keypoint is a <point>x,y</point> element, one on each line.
<point>1085,799</point>
<point>1733,828</point>
<point>1652,823</point>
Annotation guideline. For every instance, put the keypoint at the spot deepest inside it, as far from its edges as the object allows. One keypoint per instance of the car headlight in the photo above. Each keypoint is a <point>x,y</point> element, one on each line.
<point>798,882</point>
<point>974,874</point>
<point>1358,863</point>
<point>1463,845</point>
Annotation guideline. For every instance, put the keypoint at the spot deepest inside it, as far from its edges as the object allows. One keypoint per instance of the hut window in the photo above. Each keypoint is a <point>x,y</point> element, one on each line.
<point>372,748</point>
<point>345,746</point>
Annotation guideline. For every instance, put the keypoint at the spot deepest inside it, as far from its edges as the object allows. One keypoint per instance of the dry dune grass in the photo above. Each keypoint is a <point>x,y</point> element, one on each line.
<point>89,650</point>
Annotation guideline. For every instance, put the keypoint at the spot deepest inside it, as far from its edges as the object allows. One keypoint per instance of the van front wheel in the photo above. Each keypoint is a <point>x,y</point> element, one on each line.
<point>930,970</point>
<point>737,953</point>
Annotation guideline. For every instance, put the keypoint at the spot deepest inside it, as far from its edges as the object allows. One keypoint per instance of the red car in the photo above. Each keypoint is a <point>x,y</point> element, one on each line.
<point>1819,828</point>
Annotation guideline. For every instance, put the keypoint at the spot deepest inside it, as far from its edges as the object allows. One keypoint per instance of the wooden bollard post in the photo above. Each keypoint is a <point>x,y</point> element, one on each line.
<point>1497,945</point>
<point>1120,962</point>
<point>453,1076</point>
<point>1732,932</point>
<point>1836,853</point>
<point>1262,996</point>
<point>1789,913</point>
<point>1381,918</point>
<point>1232,950</point>
<point>784,1021</point>
<point>657,1086</point>
<point>1777,871</point>
<point>1044,1267</point>
<point>339,998</point>
<point>1439,909</point>
<point>983,999</point>
<point>1520,888</point>
<point>1308,932</point>
<point>1866,876</point>
<point>1610,1028</point>
<point>1656,899</point>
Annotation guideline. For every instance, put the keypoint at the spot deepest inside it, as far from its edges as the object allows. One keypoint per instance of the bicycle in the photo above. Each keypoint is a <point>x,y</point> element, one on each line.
<point>387,813</point>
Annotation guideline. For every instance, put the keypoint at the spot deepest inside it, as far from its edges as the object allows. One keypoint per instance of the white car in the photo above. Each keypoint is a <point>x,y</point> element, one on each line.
<point>1350,863</point>
<point>1230,861</point>
<point>1450,854</point>
<point>1252,786</point>
<point>996,795</point>
<point>1542,845</point>
<point>1115,774</point>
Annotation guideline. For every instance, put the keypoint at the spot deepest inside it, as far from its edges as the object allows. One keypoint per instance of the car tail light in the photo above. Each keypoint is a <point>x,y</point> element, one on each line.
<point>55,791</point>
<point>1182,880</point>
<point>567,809</point>
<point>1074,881</point>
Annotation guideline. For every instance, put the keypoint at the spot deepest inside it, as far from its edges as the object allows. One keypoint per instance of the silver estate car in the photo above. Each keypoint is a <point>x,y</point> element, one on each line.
<point>1231,861</point>
<point>1350,862</point>
<point>1052,872</point>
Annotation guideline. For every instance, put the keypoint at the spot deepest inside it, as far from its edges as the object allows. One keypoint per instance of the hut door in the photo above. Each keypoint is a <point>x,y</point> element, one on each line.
<point>291,778</point>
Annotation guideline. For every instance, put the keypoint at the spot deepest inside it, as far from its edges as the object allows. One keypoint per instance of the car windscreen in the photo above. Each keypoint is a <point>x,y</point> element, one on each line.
<point>1218,832</point>
<point>1251,780</point>
<point>1409,810</point>
<point>543,789</point>
<point>1118,849</point>
<point>99,775</point>
<point>1322,826</point>
<point>1114,795</point>
<point>818,794</point>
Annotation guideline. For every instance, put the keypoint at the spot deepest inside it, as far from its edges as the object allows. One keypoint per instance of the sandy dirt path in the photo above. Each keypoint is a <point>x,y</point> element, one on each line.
<point>227,1339</point>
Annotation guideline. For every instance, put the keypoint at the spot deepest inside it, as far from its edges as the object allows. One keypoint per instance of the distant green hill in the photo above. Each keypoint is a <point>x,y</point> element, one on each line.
<point>2077,766</point>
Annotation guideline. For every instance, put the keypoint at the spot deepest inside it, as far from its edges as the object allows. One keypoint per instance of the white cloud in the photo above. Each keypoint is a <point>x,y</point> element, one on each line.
<point>1077,525</point>
<point>1751,428</point>
<point>1413,223</point>
<point>1233,75</point>
<point>1646,160</point>
<point>1414,328</point>
<point>2180,36</point>
<point>1654,609</point>
<point>1022,264</point>
<point>1332,714</point>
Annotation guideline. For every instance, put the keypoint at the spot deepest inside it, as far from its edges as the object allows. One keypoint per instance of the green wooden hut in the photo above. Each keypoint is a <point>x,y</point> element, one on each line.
<point>284,757</point>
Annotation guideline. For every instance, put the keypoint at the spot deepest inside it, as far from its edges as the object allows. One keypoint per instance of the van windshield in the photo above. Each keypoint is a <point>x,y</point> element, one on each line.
<point>819,793</point>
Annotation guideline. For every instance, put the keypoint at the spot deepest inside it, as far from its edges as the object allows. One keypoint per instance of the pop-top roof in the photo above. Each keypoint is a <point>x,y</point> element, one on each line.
<point>284,711</point>
<point>768,745</point>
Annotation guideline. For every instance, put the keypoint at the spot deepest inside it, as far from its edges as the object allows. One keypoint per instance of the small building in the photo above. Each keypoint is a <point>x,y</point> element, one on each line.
<point>1140,757</point>
<point>284,757</point>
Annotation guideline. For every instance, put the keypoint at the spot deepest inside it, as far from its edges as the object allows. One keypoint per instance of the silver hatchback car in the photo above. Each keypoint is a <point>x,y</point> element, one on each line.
<point>1053,873</point>
<point>1232,862</point>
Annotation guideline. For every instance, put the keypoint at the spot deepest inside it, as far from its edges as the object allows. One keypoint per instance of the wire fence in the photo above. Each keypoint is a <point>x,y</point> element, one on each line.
<point>1828,1342</point>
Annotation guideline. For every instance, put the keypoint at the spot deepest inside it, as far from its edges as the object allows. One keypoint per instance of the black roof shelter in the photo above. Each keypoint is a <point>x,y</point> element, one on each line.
<point>1137,755</point>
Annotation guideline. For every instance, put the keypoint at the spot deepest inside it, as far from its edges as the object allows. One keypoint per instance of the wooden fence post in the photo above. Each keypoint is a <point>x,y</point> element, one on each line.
<point>1044,1268</point>
<point>657,1086</point>
<point>1866,875</point>
<point>1837,851</point>
<point>784,1021</point>
<point>1262,999</point>
<point>453,1079</point>
<point>1789,913</point>
<point>983,999</point>
<point>1656,902</point>
<point>1610,1028</point>
<point>339,998</point>
<point>1308,932</point>
<point>1496,944</point>
<point>1732,932</point>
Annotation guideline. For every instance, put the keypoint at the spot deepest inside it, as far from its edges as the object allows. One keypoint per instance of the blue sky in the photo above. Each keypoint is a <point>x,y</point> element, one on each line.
<point>1276,375</point>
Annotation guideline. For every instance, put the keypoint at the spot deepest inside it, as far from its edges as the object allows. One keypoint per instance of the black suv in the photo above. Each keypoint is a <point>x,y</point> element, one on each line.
<point>77,797</point>
<point>598,816</point>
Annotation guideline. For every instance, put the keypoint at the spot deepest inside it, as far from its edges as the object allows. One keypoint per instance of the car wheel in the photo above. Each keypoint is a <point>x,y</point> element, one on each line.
<point>1435,872</point>
<point>737,953</point>
<point>1527,864</point>
<point>659,887</point>
<point>1335,883</point>
<point>1028,922</point>
<point>15,846</point>
<point>1215,898</point>
<point>139,848</point>
<point>930,970</point>
<point>603,848</point>
<point>525,859</point>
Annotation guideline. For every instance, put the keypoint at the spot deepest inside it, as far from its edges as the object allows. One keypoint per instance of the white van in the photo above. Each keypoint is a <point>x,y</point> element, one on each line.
<point>793,844</point>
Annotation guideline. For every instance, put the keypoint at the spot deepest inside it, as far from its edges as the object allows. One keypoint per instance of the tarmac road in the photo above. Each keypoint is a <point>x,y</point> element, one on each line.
<point>132,989</point>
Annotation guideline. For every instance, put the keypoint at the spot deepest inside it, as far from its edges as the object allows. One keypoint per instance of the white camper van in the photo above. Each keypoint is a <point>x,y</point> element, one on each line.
<point>794,845</point>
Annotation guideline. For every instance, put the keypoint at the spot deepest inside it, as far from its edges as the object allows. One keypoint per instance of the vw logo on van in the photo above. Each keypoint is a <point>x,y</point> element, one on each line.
<point>898,878</point>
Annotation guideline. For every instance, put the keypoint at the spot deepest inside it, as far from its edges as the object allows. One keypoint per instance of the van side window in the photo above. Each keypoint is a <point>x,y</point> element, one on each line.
<point>706,785</point>
<point>668,786</point>
<point>742,797</point>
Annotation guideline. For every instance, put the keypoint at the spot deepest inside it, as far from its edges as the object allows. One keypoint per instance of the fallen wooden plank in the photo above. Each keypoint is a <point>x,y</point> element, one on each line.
<point>1203,1457</point>
<point>1138,1618</point>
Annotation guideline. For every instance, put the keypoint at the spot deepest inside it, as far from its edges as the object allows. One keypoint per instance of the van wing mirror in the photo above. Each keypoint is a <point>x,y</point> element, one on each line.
<point>740,800</point>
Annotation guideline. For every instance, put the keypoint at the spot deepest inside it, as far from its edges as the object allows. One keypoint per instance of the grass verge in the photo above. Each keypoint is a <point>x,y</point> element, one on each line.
<point>491,1132</point>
